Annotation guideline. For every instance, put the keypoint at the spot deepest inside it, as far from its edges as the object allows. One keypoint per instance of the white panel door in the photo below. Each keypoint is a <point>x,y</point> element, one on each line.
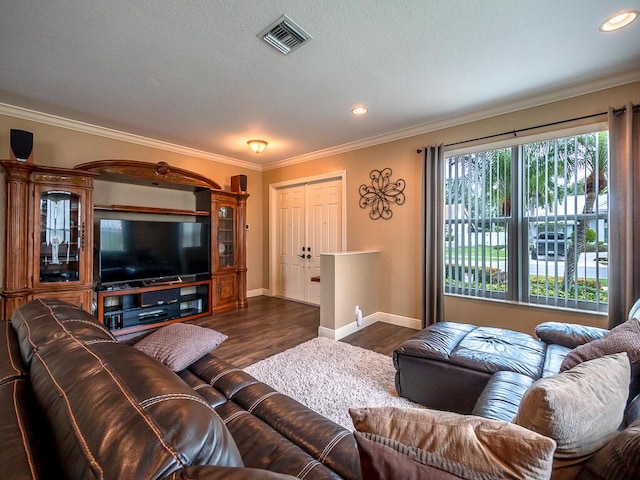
<point>324,229</point>
<point>309,223</point>
<point>290,240</point>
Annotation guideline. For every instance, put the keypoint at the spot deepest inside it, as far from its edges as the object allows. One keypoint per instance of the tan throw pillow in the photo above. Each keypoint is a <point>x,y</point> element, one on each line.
<point>623,338</point>
<point>486,448</point>
<point>180,344</point>
<point>579,408</point>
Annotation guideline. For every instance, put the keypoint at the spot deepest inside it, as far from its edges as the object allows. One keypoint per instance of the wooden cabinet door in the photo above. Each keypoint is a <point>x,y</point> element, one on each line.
<point>225,291</point>
<point>62,249</point>
<point>80,298</point>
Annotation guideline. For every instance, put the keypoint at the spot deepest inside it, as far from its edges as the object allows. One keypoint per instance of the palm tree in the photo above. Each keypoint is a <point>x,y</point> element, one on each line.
<point>591,152</point>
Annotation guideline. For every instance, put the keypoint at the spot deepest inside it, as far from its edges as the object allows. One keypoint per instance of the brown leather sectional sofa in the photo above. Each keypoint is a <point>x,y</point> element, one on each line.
<point>75,403</point>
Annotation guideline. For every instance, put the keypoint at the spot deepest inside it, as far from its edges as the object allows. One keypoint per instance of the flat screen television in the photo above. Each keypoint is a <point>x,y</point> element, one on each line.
<point>143,250</point>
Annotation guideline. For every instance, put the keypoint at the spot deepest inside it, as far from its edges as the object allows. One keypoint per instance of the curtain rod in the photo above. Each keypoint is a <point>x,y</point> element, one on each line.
<point>526,129</point>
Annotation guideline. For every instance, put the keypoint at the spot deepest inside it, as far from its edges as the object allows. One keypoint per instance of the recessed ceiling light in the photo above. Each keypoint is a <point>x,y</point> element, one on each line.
<point>359,110</point>
<point>619,20</point>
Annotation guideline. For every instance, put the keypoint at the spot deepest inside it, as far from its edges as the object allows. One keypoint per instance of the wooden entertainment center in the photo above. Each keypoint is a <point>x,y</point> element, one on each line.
<point>49,244</point>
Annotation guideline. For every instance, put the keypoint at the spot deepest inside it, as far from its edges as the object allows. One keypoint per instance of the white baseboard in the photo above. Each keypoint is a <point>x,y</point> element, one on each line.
<point>352,327</point>
<point>408,322</point>
<point>258,292</point>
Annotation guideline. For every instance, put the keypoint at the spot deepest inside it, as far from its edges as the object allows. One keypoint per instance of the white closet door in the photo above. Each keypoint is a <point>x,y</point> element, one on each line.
<point>324,229</point>
<point>290,240</point>
<point>309,223</point>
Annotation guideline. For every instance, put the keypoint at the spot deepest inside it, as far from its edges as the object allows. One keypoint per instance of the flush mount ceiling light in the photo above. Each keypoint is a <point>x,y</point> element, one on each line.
<point>257,146</point>
<point>359,110</point>
<point>619,20</point>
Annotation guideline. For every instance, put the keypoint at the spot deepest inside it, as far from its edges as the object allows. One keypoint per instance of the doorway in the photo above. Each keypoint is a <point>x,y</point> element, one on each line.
<point>306,219</point>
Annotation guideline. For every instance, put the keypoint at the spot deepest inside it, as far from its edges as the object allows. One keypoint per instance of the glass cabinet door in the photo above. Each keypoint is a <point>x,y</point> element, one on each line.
<point>226,236</point>
<point>61,236</point>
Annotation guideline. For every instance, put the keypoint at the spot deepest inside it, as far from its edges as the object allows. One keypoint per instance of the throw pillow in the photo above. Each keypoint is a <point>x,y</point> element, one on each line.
<point>619,458</point>
<point>385,459</point>
<point>486,448</point>
<point>579,408</point>
<point>180,344</point>
<point>568,334</point>
<point>623,338</point>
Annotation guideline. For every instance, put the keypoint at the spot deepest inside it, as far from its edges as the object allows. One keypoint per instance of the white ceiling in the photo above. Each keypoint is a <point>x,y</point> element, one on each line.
<point>193,73</point>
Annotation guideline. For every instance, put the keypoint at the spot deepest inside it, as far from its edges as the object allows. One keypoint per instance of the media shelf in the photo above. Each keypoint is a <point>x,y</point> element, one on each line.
<point>129,309</point>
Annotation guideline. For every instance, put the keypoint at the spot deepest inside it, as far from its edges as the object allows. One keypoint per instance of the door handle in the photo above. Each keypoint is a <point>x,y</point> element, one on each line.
<point>301,256</point>
<point>308,256</point>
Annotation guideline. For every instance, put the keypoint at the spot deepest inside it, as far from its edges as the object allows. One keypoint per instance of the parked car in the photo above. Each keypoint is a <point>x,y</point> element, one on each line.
<point>549,244</point>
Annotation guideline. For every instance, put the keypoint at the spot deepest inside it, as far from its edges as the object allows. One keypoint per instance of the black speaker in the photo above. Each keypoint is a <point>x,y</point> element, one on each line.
<point>239,183</point>
<point>21,145</point>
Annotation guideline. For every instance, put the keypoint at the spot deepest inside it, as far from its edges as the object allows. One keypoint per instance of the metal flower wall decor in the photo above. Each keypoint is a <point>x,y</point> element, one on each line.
<point>382,194</point>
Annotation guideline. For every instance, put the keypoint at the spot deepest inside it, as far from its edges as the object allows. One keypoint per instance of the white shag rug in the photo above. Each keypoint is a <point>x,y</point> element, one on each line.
<point>330,377</point>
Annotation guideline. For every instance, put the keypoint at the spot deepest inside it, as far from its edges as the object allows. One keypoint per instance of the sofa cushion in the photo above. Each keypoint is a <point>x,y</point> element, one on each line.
<point>386,459</point>
<point>618,459</point>
<point>579,408</point>
<point>180,344</point>
<point>11,365</point>
<point>69,320</point>
<point>107,401</point>
<point>622,338</point>
<point>25,439</point>
<point>485,447</point>
<point>501,397</point>
<point>568,335</point>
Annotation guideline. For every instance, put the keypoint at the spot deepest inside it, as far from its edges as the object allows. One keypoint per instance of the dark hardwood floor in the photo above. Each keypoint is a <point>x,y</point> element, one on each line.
<point>272,325</point>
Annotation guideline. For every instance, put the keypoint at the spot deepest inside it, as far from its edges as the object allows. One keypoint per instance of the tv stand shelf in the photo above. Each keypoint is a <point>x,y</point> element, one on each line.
<point>128,309</point>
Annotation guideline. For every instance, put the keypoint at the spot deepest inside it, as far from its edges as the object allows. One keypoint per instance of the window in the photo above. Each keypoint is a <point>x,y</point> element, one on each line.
<point>529,223</point>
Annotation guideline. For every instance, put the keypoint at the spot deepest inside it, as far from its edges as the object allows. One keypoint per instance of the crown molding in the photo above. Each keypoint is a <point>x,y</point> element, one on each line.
<point>420,129</point>
<point>423,128</point>
<point>56,121</point>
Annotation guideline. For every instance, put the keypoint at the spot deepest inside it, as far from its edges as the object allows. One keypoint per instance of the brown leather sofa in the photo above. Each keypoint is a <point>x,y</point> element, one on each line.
<point>75,403</point>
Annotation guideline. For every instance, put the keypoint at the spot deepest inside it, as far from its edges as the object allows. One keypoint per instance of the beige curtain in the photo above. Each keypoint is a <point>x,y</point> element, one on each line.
<point>624,212</point>
<point>432,228</point>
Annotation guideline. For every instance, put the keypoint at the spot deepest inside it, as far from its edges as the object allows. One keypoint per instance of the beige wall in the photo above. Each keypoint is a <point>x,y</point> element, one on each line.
<point>397,239</point>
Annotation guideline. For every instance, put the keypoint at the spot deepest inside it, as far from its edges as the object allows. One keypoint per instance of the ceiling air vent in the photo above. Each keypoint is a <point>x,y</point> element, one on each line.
<point>284,35</point>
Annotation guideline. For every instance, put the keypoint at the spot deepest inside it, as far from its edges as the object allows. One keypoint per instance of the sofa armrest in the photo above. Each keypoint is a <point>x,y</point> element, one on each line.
<point>568,335</point>
<point>501,398</point>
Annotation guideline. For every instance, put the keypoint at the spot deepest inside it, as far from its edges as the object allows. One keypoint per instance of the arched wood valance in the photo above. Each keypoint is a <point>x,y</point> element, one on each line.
<point>159,174</point>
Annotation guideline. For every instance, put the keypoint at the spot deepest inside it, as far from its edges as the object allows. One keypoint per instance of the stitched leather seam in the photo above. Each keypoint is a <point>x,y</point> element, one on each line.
<point>222,374</point>
<point>72,417</point>
<point>260,400</point>
<point>91,342</point>
<point>13,375</point>
<point>174,396</point>
<point>307,468</point>
<point>91,324</point>
<point>23,436</point>
<point>235,415</point>
<point>334,441</point>
<point>201,386</point>
<point>154,428</point>
<point>131,400</point>
<point>13,365</point>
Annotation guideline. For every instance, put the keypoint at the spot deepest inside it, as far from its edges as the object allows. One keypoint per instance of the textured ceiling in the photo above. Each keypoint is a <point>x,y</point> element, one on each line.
<point>193,73</point>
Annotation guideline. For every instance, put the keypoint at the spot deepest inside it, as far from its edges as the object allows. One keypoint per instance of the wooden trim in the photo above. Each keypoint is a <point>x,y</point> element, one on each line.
<point>159,174</point>
<point>155,210</point>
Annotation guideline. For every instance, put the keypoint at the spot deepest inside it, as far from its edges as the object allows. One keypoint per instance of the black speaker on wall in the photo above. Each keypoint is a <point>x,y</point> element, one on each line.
<point>21,145</point>
<point>239,183</point>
